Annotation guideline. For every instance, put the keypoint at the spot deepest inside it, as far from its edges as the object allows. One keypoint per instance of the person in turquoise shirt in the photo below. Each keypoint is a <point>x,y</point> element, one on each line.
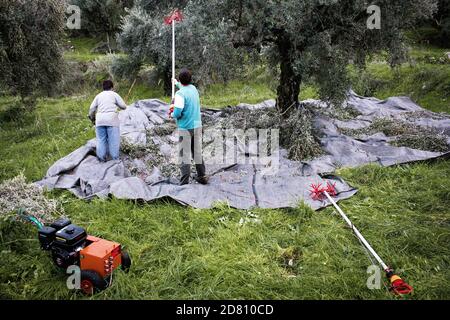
<point>186,110</point>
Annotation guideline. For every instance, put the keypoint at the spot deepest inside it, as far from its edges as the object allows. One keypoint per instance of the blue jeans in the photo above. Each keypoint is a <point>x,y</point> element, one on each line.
<point>108,138</point>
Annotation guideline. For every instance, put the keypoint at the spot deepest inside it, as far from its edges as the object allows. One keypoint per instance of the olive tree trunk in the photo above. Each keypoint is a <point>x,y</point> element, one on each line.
<point>289,87</point>
<point>167,79</point>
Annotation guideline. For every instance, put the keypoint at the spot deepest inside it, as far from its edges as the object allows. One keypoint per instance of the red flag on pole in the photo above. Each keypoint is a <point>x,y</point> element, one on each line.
<point>176,15</point>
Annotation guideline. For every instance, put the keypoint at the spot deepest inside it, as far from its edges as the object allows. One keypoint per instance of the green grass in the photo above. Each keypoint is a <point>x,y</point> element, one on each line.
<point>183,253</point>
<point>32,144</point>
<point>206,254</point>
<point>427,84</point>
<point>82,48</point>
<point>235,92</point>
<point>186,253</point>
<point>141,91</point>
<point>422,52</point>
<point>425,78</point>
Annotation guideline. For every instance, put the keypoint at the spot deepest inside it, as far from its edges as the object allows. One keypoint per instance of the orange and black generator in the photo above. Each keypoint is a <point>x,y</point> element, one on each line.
<point>97,258</point>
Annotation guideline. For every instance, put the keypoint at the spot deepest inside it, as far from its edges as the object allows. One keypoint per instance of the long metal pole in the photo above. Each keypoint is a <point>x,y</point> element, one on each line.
<point>357,233</point>
<point>173,58</point>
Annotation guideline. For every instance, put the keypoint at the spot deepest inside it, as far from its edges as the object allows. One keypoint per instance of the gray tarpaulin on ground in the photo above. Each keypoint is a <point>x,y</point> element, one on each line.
<point>242,186</point>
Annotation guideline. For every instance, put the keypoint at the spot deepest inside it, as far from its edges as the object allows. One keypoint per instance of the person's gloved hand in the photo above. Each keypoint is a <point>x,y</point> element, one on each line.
<point>176,83</point>
<point>92,118</point>
<point>171,110</point>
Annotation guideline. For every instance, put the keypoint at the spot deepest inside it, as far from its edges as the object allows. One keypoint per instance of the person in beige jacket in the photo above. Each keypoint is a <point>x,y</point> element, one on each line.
<point>103,112</point>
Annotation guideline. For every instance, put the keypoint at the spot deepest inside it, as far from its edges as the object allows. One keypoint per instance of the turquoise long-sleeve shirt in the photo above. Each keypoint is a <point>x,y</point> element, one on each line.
<point>187,110</point>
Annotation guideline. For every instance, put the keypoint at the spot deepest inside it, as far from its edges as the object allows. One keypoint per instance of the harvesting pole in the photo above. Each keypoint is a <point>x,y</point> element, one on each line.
<point>173,59</point>
<point>357,233</point>
<point>172,19</point>
<point>398,285</point>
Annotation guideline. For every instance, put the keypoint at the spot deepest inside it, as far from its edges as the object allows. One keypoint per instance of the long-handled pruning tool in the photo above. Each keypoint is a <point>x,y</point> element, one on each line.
<point>175,16</point>
<point>398,285</point>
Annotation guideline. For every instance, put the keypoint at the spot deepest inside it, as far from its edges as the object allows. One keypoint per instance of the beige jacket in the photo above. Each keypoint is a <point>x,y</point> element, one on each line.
<point>105,105</point>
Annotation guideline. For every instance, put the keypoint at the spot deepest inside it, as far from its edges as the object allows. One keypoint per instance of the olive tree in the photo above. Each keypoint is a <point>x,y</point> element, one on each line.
<point>318,39</point>
<point>304,39</point>
<point>442,22</point>
<point>31,56</point>
<point>202,42</point>
<point>101,17</point>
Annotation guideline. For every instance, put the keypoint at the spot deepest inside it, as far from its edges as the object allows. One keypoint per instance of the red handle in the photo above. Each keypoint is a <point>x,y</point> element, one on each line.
<point>400,287</point>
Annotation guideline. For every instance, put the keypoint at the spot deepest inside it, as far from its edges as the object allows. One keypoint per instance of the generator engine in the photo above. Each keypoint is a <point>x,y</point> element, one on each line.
<point>65,241</point>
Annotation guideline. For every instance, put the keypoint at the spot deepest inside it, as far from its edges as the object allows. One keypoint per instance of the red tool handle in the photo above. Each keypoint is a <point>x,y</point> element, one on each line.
<point>399,286</point>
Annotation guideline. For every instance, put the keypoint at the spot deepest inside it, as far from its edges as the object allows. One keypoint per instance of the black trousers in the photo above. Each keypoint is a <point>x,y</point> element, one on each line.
<point>191,148</point>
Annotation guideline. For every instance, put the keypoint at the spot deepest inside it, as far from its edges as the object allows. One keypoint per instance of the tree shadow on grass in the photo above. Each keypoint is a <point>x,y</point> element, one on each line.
<point>16,112</point>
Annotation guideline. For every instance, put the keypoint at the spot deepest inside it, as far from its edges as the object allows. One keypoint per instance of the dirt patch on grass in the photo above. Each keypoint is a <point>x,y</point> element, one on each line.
<point>289,259</point>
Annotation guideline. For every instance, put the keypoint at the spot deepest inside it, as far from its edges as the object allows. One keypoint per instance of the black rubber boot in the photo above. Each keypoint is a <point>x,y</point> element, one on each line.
<point>202,180</point>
